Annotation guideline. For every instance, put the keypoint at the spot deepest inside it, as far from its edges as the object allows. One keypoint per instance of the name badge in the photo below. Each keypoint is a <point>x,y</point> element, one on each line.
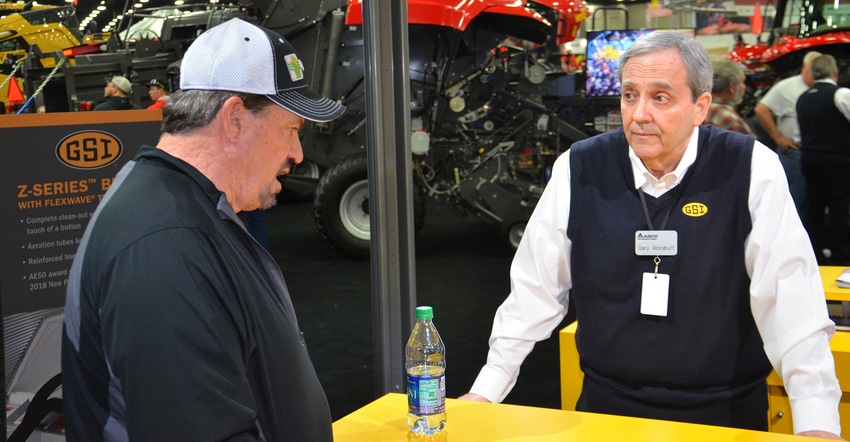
<point>654,293</point>
<point>656,242</point>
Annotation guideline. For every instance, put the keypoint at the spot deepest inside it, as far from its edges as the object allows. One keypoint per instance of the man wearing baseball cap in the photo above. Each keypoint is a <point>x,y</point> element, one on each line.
<point>178,325</point>
<point>115,92</point>
<point>159,93</point>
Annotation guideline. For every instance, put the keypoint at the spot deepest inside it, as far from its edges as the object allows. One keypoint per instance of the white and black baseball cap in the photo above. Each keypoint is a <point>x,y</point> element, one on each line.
<point>122,83</point>
<point>238,56</point>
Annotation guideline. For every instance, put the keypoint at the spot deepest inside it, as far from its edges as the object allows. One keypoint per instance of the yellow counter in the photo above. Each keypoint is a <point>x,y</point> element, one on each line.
<point>828,275</point>
<point>385,419</point>
<point>779,412</point>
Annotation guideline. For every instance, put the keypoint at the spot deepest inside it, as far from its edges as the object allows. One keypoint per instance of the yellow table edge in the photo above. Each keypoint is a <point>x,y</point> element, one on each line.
<point>571,375</point>
<point>385,419</point>
<point>828,275</point>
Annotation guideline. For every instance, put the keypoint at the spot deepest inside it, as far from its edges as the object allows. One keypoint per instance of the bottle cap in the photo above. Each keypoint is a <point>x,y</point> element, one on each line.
<point>424,312</point>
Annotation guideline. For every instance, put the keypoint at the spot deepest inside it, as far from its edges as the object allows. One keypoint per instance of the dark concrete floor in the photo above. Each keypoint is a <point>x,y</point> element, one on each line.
<point>461,270</point>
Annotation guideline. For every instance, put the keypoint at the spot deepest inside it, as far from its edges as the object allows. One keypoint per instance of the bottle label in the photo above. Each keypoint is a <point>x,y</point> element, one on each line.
<point>426,394</point>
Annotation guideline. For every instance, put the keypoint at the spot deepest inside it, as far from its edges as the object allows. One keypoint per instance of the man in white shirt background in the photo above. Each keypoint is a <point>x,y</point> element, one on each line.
<point>777,115</point>
<point>823,112</point>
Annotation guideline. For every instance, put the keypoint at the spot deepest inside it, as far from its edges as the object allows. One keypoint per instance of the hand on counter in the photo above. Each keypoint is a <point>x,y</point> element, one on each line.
<point>820,434</point>
<point>473,397</point>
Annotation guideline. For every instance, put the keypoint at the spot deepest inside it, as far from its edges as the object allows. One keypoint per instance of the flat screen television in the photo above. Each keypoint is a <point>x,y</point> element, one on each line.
<point>603,58</point>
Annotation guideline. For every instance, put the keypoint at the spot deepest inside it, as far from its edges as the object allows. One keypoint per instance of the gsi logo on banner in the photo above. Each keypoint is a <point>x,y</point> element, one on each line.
<point>89,149</point>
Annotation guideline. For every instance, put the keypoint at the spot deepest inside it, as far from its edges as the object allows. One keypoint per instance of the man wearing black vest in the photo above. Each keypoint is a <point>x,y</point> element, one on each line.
<point>777,115</point>
<point>691,273</point>
<point>823,112</point>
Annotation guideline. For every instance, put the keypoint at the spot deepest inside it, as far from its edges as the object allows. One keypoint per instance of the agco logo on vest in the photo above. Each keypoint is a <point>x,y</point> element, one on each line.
<point>695,209</point>
<point>89,149</point>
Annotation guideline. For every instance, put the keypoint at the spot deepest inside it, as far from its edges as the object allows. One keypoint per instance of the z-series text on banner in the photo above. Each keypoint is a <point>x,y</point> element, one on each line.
<point>51,238</point>
<point>61,193</point>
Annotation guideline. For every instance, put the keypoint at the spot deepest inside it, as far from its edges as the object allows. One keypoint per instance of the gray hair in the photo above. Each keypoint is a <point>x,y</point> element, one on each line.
<point>810,57</point>
<point>824,67</point>
<point>726,72</point>
<point>694,56</point>
<point>193,109</point>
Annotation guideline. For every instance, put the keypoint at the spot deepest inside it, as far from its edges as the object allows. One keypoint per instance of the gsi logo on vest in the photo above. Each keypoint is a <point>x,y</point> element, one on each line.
<point>695,209</point>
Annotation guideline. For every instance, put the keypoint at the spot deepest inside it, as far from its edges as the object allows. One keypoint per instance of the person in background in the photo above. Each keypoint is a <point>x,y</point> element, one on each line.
<point>159,93</point>
<point>689,268</point>
<point>178,325</point>
<point>115,92</point>
<point>823,112</point>
<point>777,115</point>
<point>727,91</point>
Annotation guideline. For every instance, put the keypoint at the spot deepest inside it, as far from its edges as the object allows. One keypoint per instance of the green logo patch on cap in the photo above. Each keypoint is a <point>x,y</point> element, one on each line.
<point>296,72</point>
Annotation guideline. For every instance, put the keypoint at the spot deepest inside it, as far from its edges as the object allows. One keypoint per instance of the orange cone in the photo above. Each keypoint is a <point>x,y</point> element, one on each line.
<point>14,95</point>
<point>758,26</point>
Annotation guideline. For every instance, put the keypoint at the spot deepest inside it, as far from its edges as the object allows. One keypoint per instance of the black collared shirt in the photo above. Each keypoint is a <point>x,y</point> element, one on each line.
<point>178,326</point>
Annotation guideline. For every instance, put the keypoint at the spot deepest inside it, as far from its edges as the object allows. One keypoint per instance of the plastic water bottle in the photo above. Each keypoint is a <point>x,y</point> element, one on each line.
<point>425,362</point>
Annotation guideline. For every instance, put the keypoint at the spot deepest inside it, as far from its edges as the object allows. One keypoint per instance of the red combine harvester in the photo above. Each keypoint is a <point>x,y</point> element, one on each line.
<point>797,27</point>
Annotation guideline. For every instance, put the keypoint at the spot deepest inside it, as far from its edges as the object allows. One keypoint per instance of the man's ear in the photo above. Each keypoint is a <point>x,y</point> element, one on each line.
<point>733,87</point>
<point>231,116</point>
<point>703,103</point>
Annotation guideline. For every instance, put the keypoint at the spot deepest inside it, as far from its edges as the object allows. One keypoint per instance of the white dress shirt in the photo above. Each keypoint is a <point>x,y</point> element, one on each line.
<point>841,97</point>
<point>786,293</point>
<point>781,99</point>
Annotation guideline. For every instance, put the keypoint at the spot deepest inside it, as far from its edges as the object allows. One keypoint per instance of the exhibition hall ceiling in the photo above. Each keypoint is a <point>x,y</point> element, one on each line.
<point>109,12</point>
<point>102,12</point>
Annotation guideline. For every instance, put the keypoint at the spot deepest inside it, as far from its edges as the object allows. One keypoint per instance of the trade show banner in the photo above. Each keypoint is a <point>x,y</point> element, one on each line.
<point>54,169</point>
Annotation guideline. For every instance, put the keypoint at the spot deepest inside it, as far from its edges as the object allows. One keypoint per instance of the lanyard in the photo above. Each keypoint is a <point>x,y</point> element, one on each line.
<point>669,209</point>
<point>673,203</point>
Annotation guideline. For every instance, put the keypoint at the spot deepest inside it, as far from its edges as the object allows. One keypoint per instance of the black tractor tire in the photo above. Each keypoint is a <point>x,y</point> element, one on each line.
<point>512,229</point>
<point>341,207</point>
